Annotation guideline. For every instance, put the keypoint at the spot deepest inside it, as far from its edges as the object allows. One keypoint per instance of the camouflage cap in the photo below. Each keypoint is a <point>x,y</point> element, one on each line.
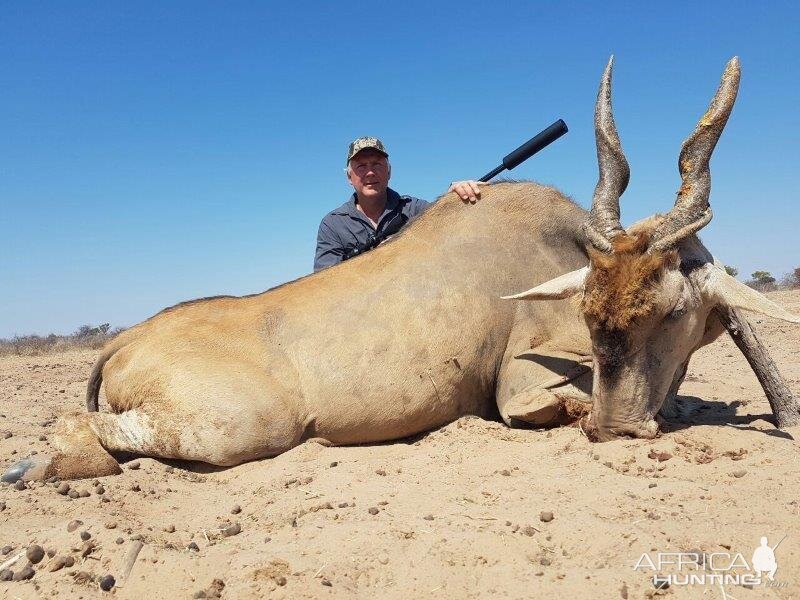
<point>364,143</point>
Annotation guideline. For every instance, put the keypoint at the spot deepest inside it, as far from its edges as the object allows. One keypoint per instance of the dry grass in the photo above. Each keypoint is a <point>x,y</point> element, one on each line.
<point>87,337</point>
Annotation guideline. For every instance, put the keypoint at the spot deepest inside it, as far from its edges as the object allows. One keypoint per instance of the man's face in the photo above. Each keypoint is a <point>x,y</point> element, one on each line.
<point>369,174</point>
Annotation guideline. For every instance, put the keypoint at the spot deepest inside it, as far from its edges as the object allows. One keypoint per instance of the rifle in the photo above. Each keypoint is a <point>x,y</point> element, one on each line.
<point>541,140</point>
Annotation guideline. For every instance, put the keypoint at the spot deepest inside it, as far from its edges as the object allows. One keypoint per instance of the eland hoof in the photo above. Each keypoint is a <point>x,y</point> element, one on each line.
<point>17,471</point>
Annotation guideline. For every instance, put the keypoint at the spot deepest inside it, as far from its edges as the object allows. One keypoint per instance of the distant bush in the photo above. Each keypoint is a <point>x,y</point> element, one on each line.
<point>763,281</point>
<point>87,337</point>
<point>732,271</point>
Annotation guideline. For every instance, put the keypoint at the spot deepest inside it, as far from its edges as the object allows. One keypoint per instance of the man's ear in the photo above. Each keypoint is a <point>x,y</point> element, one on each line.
<point>559,288</point>
<point>728,291</point>
<point>389,165</point>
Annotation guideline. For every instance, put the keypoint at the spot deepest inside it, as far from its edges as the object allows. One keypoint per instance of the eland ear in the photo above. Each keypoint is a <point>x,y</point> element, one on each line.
<point>728,291</point>
<point>559,288</point>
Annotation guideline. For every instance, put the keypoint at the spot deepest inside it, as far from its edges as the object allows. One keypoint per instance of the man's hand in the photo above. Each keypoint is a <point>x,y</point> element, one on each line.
<point>468,191</point>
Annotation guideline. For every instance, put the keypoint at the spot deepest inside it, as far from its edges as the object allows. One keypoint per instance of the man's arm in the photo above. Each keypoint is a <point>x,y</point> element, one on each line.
<point>330,249</point>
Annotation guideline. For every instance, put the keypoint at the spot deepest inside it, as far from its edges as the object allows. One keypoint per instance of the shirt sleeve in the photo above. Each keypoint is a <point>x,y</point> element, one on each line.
<point>330,249</point>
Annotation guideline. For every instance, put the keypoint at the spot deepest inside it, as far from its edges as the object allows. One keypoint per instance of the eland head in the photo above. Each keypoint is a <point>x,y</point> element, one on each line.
<point>649,291</point>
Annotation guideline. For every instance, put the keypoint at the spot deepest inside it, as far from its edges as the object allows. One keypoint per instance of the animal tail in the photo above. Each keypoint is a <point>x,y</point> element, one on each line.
<point>96,376</point>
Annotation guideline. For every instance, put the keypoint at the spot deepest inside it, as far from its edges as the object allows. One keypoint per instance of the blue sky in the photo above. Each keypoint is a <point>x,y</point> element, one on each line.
<point>156,152</point>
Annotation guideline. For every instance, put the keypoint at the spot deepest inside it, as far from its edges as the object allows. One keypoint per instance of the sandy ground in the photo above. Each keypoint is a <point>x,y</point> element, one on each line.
<point>455,513</point>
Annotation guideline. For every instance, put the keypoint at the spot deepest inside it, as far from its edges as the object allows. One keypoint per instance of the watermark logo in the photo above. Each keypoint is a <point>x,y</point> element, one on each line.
<point>713,568</point>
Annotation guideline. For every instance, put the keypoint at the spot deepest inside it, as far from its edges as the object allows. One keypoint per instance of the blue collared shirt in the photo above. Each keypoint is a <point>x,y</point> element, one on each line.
<point>343,229</point>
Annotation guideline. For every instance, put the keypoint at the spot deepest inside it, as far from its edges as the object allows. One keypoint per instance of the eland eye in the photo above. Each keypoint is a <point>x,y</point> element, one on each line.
<point>678,311</point>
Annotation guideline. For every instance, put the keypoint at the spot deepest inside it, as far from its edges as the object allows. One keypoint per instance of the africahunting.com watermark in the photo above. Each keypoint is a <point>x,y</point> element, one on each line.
<point>713,568</point>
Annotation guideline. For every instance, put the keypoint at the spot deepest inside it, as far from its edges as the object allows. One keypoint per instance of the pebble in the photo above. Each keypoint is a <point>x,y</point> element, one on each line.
<point>6,575</point>
<point>193,546</point>
<point>230,530</point>
<point>5,550</point>
<point>111,525</point>
<point>35,553</point>
<point>428,517</point>
<point>326,582</point>
<point>529,531</point>
<point>107,582</point>
<point>546,516</point>
<point>119,541</point>
<point>134,465</point>
<point>544,561</point>
<point>236,509</point>
<point>85,535</point>
<point>99,490</point>
<point>59,563</point>
<point>19,485</point>
<point>42,438</point>
<point>7,435</point>
<point>73,494</point>
<point>652,485</point>
<point>51,552</point>
<point>170,528</point>
<point>26,573</point>
<point>84,493</point>
<point>335,463</point>
<point>380,472</point>
<point>342,504</point>
<point>2,506</point>
<point>136,488</point>
<point>739,473</point>
<point>169,469</point>
<point>281,581</point>
<point>73,525</point>
<point>373,510</point>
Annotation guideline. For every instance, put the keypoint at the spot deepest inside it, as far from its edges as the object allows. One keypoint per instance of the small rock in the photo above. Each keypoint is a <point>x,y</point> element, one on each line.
<point>42,438</point>
<point>281,581</point>
<point>428,517</point>
<point>111,525</point>
<point>2,506</point>
<point>342,505</point>
<point>69,561</point>
<point>5,550</point>
<point>136,488</point>
<point>193,547</point>
<point>230,530</point>
<point>19,485</point>
<point>739,473</point>
<point>326,582</point>
<point>659,456</point>
<point>119,541</point>
<point>380,472</point>
<point>335,463</point>
<point>546,516</point>
<point>57,564</point>
<point>73,525</point>
<point>107,582</point>
<point>373,510</point>
<point>544,561</point>
<point>85,535</point>
<point>99,490</point>
<point>505,473</point>
<point>51,552</point>
<point>6,575</point>
<point>267,539</point>
<point>74,494</point>
<point>199,594</point>
<point>35,553</point>
<point>623,591</point>
<point>236,509</point>
<point>134,465</point>
<point>652,485</point>
<point>84,493</point>
<point>63,488</point>
<point>169,469</point>
<point>529,531</point>
<point>26,573</point>
<point>170,528</point>
<point>7,434</point>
